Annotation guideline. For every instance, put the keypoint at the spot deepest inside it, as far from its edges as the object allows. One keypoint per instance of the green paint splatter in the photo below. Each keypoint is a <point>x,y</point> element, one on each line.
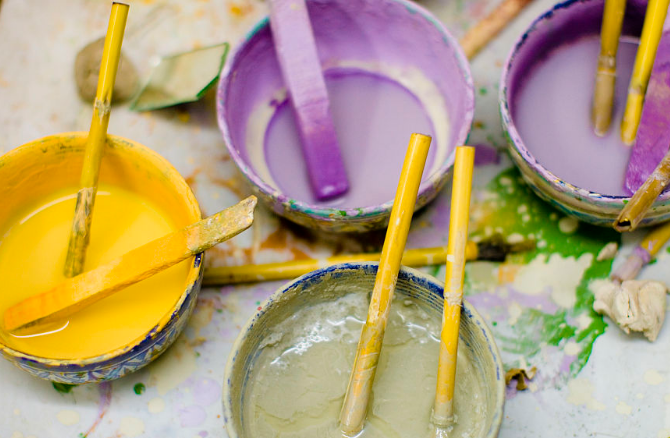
<point>517,210</point>
<point>483,91</point>
<point>139,388</point>
<point>63,388</point>
<point>81,435</point>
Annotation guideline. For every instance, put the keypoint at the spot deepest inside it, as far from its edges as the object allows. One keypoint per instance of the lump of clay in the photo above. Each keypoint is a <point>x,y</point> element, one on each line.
<point>637,305</point>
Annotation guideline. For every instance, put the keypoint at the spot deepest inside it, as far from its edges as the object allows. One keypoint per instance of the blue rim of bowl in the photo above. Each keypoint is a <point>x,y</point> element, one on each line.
<point>410,274</point>
<point>520,147</point>
<point>343,214</point>
<point>142,343</point>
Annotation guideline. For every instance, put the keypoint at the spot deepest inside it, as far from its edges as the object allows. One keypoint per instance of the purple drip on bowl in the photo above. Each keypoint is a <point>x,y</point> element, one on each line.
<point>562,24</point>
<point>352,31</point>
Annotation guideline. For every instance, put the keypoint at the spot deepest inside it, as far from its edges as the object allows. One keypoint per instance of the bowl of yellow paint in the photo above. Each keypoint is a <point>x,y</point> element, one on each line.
<point>289,368</point>
<point>140,197</point>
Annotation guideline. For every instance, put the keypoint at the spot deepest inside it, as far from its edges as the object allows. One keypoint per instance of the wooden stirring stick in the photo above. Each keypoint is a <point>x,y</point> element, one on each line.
<point>134,266</point>
<point>354,409</point>
<point>494,249</point>
<point>634,211</point>
<point>95,143</point>
<point>300,66</point>
<point>603,95</point>
<point>443,410</point>
<point>644,61</point>
<point>485,30</point>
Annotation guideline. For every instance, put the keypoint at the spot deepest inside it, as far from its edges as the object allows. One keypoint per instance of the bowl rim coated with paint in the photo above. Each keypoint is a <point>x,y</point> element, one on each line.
<point>583,204</point>
<point>144,349</point>
<point>348,219</point>
<point>298,286</point>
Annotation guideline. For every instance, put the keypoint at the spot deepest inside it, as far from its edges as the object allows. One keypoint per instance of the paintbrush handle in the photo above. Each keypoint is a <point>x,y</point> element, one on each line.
<point>485,30</point>
<point>644,61</point>
<point>286,270</point>
<point>443,409</point>
<point>603,96</point>
<point>644,197</point>
<point>354,408</point>
<point>649,247</point>
<point>95,143</point>
<point>85,289</point>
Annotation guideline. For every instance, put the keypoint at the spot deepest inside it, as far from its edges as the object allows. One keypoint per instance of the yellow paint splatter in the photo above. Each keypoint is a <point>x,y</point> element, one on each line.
<point>652,377</point>
<point>581,393</point>
<point>68,418</point>
<point>623,408</point>
<point>156,405</point>
<point>131,427</point>
<point>175,366</point>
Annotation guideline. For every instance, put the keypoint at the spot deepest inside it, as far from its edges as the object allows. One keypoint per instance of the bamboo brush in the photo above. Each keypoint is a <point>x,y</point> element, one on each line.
<point>644,61</point>
<point>633,213</point>
<point>494,249</point>
<point>443,409</point>
<point>95,143</point>
<point>603,96</point>
<point>354,409</point>
<point>642,254</point>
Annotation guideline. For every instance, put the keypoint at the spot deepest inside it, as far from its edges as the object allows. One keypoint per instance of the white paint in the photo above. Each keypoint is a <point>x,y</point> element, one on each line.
<point>571,349</point>
<point>173,367</point>
<point>17,412</point>
<point>568,225</point>
<point>561,275</point>
<point>514,311</point>
<point>532,386</point>
<point>542,244</point>
<point>581,393</point>
<point>584,320</point>
<point>523,208</point>
<point>653,377</point>
<point>156,405</point>
<point>608,251</point>
<point>635,305</point>
<point>515,238</point>
<point>68,418</point>
<point>623,409</point>
<point>131,427</point>
<point>639,396</point>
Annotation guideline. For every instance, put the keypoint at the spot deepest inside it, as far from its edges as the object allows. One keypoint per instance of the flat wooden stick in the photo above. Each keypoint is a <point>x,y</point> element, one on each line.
<point>603,95</point>
<point>443,409</point>
<point>644,61</point>
<point>354,409</point>
<point>478,36</point>
<point>95,143</point>
<point>85,289</point>
<point>644,197</point>
<point>301,69</point>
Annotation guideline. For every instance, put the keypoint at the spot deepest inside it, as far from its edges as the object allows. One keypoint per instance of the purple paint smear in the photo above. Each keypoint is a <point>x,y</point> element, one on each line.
<point>207,392</point>
<point>485,154</point>
<point>192,416</point>
<point>653,135</point>
<point>105,389</point>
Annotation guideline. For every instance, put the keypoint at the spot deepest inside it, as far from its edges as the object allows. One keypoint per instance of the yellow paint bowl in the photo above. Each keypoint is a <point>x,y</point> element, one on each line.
<point>33,176</point>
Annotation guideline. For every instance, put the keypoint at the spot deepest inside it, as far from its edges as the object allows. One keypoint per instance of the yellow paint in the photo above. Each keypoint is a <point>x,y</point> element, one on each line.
<point>32,253</point>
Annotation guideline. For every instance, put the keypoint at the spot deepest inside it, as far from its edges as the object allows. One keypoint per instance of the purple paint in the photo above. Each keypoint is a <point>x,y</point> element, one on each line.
<point>348,33</point>
<point>485,154</point>
<point>552,114</point>
<point>207,392</point>
<point>301,70</point>
<point>653,134</point>
<point>191,416</point>
<point>374,117</point>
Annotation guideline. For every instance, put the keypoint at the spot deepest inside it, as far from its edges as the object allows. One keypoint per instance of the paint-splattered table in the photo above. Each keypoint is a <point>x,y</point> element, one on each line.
<point>592,381</point>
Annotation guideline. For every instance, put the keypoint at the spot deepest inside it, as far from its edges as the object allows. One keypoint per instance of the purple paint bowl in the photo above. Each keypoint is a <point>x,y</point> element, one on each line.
<point>560,26</point>
<point>395,40</point>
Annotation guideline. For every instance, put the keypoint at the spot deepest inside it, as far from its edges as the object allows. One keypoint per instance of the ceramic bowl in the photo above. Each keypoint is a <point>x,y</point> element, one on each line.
<point>326,284</point>
<point>29,171</point>
<point>563,24</point>
<point>348,33</point>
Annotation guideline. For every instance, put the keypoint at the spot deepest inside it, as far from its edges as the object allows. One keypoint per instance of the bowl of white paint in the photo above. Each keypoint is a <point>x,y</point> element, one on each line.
<point>288,371</point>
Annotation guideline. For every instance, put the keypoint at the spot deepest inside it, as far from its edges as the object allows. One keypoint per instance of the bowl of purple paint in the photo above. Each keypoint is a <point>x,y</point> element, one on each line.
<point>390,69</point>
<point>546,93</point>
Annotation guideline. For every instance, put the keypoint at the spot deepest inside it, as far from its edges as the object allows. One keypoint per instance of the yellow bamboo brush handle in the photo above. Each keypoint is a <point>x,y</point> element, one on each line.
<point>354,409</point>
<point>644,61</point>
<point>644,197</point>
<point>85,289</point>
<point>603,96</point>
<point>286,270</point>
<point>443,409</point>
<point>95,143</point>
